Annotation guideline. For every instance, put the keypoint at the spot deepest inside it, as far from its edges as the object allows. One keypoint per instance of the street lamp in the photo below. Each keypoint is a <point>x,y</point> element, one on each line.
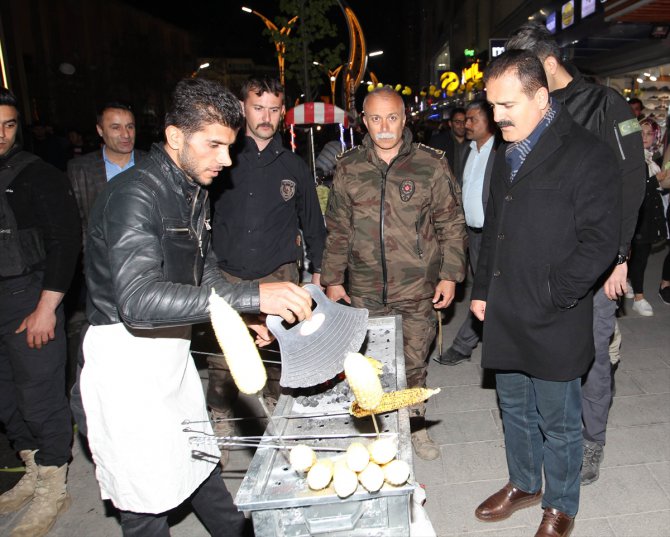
<point>332,76</point>
<point>277,36</point>
<point>200,68</point>
<point>376,53</point>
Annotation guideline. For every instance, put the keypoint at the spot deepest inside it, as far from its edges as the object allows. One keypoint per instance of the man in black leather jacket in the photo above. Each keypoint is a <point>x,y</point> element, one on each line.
<point>605,113</point>
<point>150,270</point>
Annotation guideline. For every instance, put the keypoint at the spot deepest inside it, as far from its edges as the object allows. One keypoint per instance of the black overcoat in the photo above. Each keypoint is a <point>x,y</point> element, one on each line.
<point>547,239</point>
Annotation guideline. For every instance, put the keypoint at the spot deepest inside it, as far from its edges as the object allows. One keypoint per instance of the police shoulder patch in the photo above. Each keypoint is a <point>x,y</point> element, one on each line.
<point>629,127</point>
<point>437,153</point>
<point>349,152</point>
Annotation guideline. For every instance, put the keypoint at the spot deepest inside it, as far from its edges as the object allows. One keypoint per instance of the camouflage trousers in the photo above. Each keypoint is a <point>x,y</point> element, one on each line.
<point>221,389</point>
<point>419,326</point>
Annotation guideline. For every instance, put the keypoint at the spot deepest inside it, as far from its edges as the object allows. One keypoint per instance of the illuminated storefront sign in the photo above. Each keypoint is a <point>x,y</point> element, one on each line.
<point>568,14</point>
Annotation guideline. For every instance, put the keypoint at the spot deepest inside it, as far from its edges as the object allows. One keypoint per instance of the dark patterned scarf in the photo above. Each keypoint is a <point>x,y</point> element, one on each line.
<point>516,153</point>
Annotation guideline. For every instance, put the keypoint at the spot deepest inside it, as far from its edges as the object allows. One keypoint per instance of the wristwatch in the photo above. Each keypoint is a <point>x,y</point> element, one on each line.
<point>621,259</point>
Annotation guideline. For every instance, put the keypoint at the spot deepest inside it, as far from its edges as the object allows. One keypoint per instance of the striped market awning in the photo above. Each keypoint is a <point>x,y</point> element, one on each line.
<point>316,113</point>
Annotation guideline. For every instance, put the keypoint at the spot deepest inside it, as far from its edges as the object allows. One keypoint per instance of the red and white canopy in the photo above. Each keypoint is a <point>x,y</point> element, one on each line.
<point>320,113</point>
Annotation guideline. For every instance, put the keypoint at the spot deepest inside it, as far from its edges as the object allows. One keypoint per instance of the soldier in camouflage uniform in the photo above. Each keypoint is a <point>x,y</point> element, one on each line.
<point>395,223</point>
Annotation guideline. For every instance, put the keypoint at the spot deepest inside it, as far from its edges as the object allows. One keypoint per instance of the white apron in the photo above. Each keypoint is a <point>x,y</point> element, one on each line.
<point>137,390</point>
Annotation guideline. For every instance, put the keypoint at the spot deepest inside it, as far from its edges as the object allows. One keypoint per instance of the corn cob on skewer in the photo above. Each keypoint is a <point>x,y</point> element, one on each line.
<point>239,348</point>
<point>363,380</point>
<point>393,401</point>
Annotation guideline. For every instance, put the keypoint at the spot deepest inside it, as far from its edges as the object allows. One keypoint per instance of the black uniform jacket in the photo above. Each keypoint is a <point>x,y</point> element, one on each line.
<point>547,239</point>
<point>259,204</point>
<point>41,197</point>
<point>148,261</point>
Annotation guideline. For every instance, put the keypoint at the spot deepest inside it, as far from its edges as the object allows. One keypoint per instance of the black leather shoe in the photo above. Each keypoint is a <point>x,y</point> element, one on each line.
<point>506,501</point>
<point>451,357</point>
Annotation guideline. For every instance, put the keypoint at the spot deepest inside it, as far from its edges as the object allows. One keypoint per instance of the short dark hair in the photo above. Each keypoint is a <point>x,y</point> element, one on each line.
<point>7,98</point>
<point>535,37</point>
<point>457,110</point>
<point>109,105</point>
<point>635,100</point>
<point>198,101</point>
<point>524,64</point>
<point>485,108</point>
<point>259,86</point>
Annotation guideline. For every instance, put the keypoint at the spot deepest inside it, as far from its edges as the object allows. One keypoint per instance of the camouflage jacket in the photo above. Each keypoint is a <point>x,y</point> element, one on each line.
<point>397,228</point>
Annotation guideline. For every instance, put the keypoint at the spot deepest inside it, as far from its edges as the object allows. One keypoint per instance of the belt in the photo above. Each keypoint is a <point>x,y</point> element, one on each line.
<point>475,229</point>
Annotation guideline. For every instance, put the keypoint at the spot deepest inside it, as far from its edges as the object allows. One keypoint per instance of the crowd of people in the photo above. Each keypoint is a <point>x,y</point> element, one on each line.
<point>550,189</point>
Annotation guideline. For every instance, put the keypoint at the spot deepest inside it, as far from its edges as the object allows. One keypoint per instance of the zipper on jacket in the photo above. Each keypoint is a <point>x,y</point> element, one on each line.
<point>618,141</point>
<point>198,230</point>
<point>381,237</point>
<point>419,251</point>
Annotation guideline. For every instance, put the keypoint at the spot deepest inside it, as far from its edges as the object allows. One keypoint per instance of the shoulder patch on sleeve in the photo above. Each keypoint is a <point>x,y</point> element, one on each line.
<point>437,153</point>
<point>629,127</point>
<point>349,152</point>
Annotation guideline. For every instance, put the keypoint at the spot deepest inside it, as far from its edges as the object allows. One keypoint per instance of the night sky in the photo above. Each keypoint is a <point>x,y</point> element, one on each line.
<point>225,30</point>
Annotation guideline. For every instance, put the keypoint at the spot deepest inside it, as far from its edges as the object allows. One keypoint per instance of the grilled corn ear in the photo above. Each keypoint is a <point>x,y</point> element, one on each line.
<point>393,401</point>
<point>363,381</point>
<point>237,345</point>
<point>379,367</point>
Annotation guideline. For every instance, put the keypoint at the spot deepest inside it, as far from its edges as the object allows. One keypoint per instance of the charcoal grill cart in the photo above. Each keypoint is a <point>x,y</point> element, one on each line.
<point>281,503</point>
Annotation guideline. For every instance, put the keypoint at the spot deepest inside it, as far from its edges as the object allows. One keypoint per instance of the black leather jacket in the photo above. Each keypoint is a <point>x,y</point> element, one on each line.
<point>604,112</point>
<point>148,262</point>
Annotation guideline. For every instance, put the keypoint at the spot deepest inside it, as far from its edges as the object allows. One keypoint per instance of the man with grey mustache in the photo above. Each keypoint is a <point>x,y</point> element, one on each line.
<point>395,224</point>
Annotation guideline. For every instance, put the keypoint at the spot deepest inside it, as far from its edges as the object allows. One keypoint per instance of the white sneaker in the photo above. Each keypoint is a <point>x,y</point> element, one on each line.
<point>629,292</point>
<point>643,308</point>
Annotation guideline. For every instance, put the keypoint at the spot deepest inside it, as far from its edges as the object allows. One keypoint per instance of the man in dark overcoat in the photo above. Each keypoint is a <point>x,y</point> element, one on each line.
<point>551,230</point>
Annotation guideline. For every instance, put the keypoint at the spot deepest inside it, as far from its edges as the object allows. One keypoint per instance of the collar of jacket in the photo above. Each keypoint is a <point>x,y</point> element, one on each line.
<point>16,149</point>
<point>174,175</point>
<point>561,95</point>
<point>274,148</point>
<point>405,148</point>
<point>549,143</point>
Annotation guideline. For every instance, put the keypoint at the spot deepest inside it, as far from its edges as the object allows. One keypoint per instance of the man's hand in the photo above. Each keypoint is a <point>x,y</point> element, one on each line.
<point>263,335</point>
<point>337,292</point>
<point>316,279</point>
<point>287,300</point>
<point>478,308</point>
<point>616,286</point>
<point>40,325</point>
<point>445,289</point>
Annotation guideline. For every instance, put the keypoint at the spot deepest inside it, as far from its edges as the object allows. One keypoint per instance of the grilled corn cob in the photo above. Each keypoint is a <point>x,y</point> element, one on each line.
<point>396,472</point>
<point>379,368</point>
<point>393,401</point>
<point>238,347</point>
<point>363,380</point>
